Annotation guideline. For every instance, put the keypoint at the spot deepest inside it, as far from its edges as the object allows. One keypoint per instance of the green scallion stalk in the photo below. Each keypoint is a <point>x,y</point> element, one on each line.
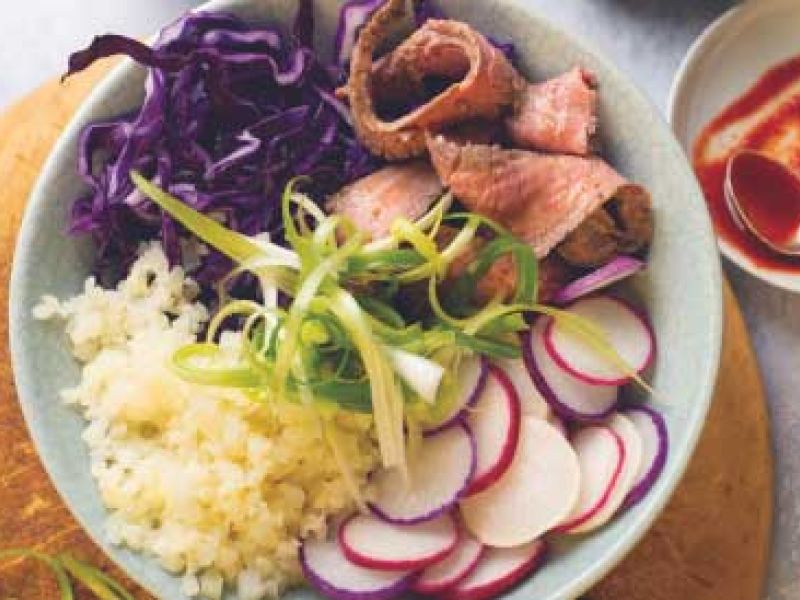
<point>302,301</point>
<point>239,248</point>
<point>103,586</point>
<point>64,586</point>
<point>195,363</point>
<point>387,401</point>
<point>65,566</point>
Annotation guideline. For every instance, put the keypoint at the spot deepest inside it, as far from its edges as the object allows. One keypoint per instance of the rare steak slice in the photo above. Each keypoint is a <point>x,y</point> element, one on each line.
<point>557,115</point>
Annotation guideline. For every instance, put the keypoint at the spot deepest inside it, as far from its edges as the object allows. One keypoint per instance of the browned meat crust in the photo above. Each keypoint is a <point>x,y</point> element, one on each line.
<point>624,225</point>
<point>633,212</point>
<point>593,242</point>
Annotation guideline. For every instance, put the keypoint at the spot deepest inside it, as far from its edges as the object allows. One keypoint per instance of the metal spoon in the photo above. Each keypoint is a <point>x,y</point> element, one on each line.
<point>790,247</point>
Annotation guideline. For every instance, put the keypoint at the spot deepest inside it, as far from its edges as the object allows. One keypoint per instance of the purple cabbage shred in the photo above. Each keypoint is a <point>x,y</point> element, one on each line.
<point>232,112</point>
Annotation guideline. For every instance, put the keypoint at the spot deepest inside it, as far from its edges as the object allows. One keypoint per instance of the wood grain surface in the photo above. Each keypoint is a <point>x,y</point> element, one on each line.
<point>711,543</point>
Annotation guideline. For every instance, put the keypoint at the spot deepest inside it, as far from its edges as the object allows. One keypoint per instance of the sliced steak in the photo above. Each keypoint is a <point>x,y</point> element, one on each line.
<point>539,198</point>
<point>372,203</point>
<point>558,115</point>
<point>485,82</point>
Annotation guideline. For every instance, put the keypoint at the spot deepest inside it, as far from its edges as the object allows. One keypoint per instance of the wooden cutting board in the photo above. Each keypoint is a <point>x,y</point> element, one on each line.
<point>711,543</point>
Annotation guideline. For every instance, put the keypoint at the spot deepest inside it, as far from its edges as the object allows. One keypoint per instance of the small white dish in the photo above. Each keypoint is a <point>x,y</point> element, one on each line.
<point>729,56</point>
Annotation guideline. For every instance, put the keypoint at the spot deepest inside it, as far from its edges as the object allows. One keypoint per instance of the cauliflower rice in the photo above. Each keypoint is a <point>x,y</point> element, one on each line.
<point>217,487</point>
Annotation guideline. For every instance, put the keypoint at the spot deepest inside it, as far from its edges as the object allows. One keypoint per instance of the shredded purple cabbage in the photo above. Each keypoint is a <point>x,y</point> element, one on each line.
<point>232,112</point>
<point>352,16</point>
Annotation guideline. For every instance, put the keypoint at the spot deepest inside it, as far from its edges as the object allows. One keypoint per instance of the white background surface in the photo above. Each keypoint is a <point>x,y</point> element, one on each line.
<point>646,38</point>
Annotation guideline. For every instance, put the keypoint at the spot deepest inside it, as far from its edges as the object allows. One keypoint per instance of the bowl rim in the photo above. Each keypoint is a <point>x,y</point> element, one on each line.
<point>639,523</point>
<point>680,94</point>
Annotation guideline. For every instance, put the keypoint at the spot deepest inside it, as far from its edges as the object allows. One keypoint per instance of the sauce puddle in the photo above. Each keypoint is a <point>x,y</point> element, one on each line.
<point>765,119</point>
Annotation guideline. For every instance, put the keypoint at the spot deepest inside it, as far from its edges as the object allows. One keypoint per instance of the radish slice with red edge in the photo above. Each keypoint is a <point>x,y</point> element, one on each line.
<point>439,472</point>
<point>615,271</point>
<point>568,396</point>
<point>375,544</point>
<point>530,400</point>
<point>627,329</point>
<point>601,456</point>
<point>655,447</point>
<point>632,447</point>
<point>470,379</point>
<point>452,569</point>
<point>536,493</point>
<point>499,570</point>
<point>494,422</point>
<point>325,567</point>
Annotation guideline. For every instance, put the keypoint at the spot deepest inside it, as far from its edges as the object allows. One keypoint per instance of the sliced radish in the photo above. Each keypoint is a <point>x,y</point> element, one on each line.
<point>558,423</point>
<point>470,379</point>
<point>632,447</point>
<point>438,474</point>
<point>453,568</point>
<point>498,570</point>
<point>375,544</point>
<point>601,455</point>
<point>567,395</point>
<point>535,494</point>
<point>655,446</point>
<point>618,269</point>
<point>494,422</point>
<point>326,568</point>
<point>627,329</point>
<point>530,400</point>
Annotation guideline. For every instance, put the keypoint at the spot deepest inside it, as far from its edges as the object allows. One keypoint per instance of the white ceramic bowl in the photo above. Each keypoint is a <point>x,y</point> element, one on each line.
<point>722,64</point>
<point>681,289</point>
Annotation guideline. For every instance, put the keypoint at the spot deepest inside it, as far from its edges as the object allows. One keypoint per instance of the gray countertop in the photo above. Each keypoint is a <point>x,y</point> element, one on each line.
<point>646,38</point>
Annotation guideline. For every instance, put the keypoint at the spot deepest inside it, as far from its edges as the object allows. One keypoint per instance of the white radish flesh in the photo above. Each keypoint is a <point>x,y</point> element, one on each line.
<point>470,379</point>
<point>558,423</point>
<point>326,568</point>
<point>632,444</point>
<point>375,544</point>
<point>536,493</point>
<point>498,571</point>
<point>494,422</point>
<point>627,330</point>
<point>530,400</point>
<point>601,455</point>
<point>439,472</point>
<point>453,568</point>
<point>567,395</point>
<point>655,446</point>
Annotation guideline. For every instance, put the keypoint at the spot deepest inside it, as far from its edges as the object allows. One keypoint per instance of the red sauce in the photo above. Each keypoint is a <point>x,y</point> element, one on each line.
<point>768,195</point>
<point>774,204</point>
